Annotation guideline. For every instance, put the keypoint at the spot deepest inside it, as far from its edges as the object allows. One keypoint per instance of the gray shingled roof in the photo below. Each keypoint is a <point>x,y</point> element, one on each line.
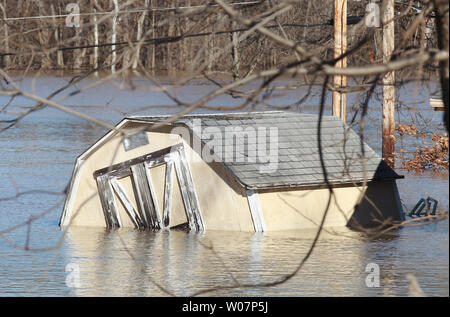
<point>298,155</point>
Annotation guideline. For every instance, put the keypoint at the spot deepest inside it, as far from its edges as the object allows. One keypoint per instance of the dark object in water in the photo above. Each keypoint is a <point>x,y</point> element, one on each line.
<point>417,210</point>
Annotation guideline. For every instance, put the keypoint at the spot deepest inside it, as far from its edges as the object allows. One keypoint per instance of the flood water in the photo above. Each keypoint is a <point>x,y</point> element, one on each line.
<point>37,158</point>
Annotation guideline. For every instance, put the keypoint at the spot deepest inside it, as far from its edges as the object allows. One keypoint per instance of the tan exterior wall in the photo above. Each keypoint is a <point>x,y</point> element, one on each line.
<point>223,207</point>
<point>298,209</point>
<point>305,208</point>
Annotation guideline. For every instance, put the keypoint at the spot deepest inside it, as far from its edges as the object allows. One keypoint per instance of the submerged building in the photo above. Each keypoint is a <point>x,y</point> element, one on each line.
<point>263,171</point>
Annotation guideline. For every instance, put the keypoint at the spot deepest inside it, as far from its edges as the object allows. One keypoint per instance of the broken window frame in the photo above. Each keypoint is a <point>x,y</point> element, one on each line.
<point>147,214</point>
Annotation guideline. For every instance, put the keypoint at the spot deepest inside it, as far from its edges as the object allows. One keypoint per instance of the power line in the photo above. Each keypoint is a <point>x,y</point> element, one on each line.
<point>138,10</point>
<point>169,39</point>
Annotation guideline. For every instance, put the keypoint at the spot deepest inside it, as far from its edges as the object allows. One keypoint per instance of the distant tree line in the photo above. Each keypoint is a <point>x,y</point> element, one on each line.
<point>173,37</point>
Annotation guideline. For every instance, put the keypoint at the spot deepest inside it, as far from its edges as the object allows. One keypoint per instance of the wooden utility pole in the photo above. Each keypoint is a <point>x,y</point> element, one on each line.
<point>340,46</point>
<point>388,85</point>
<point>442,20</point>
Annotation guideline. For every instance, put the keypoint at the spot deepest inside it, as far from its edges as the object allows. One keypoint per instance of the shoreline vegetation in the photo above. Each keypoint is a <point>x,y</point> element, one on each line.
<point>433,154</point>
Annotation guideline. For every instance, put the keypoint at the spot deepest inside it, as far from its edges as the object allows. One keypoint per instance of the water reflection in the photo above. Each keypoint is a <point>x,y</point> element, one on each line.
<point>184,263</point>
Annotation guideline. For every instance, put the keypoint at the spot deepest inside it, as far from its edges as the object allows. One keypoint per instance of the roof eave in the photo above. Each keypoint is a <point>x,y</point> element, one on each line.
<point>320,185</point>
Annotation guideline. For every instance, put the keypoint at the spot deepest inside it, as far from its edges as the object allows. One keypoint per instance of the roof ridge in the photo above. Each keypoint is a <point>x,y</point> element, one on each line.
<point>230,115</point>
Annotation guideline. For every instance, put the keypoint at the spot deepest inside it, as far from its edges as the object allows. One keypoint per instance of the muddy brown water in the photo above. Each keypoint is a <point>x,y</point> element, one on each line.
<point>38,155</point>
